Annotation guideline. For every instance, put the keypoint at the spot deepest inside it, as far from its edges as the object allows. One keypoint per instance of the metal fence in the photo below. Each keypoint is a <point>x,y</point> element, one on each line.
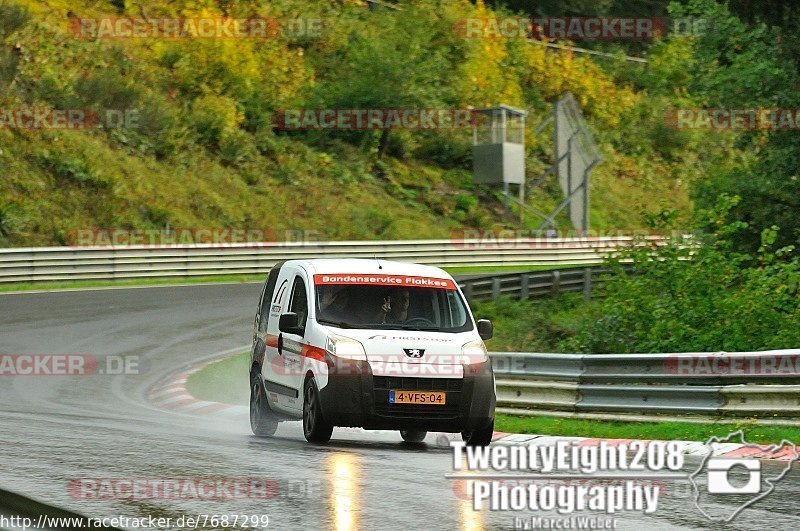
<point>109,263</point>
<point>533,284</point>
<point>762,384</point>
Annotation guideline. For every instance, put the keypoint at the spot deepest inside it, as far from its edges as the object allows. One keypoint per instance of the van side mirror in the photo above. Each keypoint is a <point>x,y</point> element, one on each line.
<point>485,329</point>
<point>290,324</point>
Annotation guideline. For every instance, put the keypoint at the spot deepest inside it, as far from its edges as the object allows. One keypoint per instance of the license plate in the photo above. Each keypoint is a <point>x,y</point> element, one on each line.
<point>434,398</point>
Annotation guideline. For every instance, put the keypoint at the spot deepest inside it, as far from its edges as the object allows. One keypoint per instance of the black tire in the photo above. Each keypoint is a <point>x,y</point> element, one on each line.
<point>481,437</point>
<point>413,436</point>
<point>262,419</point>
<point>315,429</point>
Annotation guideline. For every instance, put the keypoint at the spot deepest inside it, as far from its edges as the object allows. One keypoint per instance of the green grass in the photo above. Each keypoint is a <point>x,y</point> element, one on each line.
<point>84,284</point>
<point>681,431</point>
<point>224,381</point>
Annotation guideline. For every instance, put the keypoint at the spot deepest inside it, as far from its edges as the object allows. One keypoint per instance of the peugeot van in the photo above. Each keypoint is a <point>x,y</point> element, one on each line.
<point>372,344</point>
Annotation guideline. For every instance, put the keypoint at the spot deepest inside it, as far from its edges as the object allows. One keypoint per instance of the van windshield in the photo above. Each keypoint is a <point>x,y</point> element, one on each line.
<point>397,308</point>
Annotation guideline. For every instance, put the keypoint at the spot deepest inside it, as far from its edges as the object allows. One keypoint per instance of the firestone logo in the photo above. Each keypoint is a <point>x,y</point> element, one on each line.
<point>410,338</point>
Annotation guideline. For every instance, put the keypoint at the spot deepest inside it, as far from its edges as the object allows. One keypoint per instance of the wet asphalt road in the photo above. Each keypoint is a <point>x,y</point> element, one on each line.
<point>56,429</point>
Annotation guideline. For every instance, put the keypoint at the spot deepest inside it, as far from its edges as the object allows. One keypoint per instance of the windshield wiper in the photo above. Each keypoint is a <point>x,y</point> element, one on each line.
<point>419,328</point>
<point>338,324</point>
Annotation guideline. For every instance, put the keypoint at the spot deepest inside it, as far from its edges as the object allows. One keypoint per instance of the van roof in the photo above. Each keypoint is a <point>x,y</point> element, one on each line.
<point>369,265</point>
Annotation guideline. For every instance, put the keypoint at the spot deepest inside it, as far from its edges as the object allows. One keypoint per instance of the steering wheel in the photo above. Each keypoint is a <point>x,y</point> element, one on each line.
<point>416,321</point>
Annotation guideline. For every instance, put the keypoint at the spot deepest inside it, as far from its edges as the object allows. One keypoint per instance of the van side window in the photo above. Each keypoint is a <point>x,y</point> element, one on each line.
<point>299,302</point>
<point>272,279</point>
<point>457,314</point>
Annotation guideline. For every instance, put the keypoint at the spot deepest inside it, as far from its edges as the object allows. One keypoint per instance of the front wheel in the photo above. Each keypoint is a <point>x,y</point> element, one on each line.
<point>262,421</point>
<point>413,436</point>
<point>315,429</point>
<point>481,437</point>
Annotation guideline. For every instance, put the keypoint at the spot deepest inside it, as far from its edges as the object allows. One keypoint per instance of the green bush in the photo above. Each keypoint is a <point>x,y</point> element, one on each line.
<point>214,118</point>
<point>447,151</point>
<point>12,18</point>
<point>70,169</point>
<point>697,298</point>
<point>539,325</point>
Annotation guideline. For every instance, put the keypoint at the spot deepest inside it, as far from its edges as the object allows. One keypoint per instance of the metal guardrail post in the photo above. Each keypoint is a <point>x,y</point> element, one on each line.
<point>555,283</point>
<point>524,286</point>
<point>468,291</point>
<point>587,283</point>
<point>495,288</point>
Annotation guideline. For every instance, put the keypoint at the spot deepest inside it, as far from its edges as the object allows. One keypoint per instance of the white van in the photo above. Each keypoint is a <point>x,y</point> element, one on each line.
<point>372,344</point>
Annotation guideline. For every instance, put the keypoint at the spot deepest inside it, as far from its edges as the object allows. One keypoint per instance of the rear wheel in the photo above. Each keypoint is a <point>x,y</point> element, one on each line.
<point>413,436</point>
<point>481,437</point>
<point>262,419</point>
<point>315,428</point>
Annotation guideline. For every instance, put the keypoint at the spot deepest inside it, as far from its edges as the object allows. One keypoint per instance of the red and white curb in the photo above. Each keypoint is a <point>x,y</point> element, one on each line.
<point>171,395</point>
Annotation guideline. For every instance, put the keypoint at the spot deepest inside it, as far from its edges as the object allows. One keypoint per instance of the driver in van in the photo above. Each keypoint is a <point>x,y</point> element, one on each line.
<point>335,301</point>
<point>395,306</point>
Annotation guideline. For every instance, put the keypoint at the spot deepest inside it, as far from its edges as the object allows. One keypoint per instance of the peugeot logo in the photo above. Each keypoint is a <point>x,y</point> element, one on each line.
<point>414,352</point>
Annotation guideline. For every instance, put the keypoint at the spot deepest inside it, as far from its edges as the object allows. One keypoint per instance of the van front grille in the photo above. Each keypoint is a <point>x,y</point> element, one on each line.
<point>452,386</point>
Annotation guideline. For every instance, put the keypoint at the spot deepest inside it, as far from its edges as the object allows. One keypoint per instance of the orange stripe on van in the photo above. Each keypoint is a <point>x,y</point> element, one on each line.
<point>306,350</point>
<point>313,352</point>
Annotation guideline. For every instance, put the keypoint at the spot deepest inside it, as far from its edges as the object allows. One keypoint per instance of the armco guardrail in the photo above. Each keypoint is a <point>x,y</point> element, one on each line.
<point>533,284</point>
<point>20,512</point>
<point>718,384</point>
<point>132,262</point>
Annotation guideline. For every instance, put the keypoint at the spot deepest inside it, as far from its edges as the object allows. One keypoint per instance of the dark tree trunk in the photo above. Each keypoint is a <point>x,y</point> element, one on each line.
<point>383,143</point>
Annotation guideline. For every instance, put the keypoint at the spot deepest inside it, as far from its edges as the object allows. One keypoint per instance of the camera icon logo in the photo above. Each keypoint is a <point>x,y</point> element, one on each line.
<point>731,470</point>
<point>719,480</point>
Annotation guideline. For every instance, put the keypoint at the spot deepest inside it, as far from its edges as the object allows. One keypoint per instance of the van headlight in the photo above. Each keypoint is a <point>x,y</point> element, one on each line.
<point>474,352</point>
<point>344,347</point>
